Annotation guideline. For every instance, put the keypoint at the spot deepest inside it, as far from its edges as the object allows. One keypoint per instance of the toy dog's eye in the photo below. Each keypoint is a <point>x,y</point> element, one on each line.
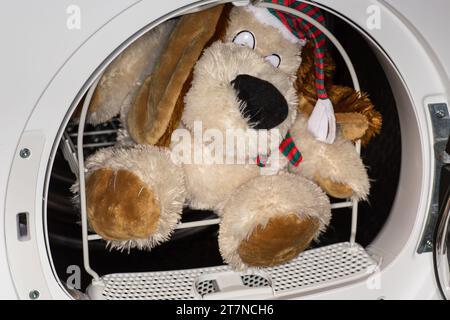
<point>245,38</point>
<point>274,59</point>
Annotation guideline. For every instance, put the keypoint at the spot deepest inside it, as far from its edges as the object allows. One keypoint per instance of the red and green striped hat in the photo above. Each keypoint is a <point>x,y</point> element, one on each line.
<point>322,122</point>
<point>306,31</point>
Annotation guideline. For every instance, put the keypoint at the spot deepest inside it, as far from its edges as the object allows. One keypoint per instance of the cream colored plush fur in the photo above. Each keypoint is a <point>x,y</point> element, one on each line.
<point>238,193</point>
<point>265,197</point>
<point>212,94</point>
<point>212,100</point>
<point>268,40</point>
<point>338,161</point>
<point>120,81</point>
<point>153,166</point>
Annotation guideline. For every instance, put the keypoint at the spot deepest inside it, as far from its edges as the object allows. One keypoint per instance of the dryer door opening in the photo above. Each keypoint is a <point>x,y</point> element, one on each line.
<point>329,260</point>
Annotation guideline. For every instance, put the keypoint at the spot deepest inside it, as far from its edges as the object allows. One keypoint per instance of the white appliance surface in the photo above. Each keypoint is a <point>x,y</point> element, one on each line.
<point>44,64</point>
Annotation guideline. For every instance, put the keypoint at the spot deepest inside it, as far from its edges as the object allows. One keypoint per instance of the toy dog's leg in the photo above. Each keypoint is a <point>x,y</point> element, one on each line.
<point>336,167</point>
<point>270,220</point>
<point>134,196</point>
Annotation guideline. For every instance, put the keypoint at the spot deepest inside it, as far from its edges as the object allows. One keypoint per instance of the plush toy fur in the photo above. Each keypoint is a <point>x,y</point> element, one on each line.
<point>124,76</point>
<point>136,194</point>
<point>149,119</point>
<point>137,191</point>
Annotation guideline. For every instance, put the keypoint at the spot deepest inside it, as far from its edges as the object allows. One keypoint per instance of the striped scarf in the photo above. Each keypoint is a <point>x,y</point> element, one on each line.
<point>288,149</point>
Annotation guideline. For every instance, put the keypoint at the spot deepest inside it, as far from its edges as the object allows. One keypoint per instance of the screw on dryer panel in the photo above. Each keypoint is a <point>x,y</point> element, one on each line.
<point>440,114</point>
<point>440,110</point>
<point>34,294</point>
<point>25,153</point>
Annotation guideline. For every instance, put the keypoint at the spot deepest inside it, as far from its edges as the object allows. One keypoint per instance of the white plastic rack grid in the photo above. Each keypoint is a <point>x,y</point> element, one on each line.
<point>317,268</point>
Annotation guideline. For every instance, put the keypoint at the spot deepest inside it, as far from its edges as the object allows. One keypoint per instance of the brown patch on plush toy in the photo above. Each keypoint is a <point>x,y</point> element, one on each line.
<point>353,125</point>
<point>281,240</point>
<point>166,138</point>
<point>334,189</point>
<point>148,122</point>
<point>349,101</point>
<point>120,206</point>
<point>345,100</point>
<point>175,119</point>
<point>122,78</point>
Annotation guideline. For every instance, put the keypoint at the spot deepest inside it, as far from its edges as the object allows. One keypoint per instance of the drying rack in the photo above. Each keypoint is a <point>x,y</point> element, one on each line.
<point>313,269</point>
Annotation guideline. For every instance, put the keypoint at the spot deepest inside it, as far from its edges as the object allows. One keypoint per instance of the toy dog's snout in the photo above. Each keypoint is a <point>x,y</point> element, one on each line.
<point>264,107</point>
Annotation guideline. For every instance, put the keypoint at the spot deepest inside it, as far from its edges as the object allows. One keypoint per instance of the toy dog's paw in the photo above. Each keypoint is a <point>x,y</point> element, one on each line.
<point>336,167</point>
<point>340,172</point>
<point>279,241</point>
<point>120,205</point>
<point>353,125</point>
<point>334,189</point>
<point>135,196</point>
<point>271,219</point>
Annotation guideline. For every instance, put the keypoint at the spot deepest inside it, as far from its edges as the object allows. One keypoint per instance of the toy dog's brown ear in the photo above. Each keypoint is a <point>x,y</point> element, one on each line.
<point>124,76</point>
<point>355,113</point>
<point>157,110</point>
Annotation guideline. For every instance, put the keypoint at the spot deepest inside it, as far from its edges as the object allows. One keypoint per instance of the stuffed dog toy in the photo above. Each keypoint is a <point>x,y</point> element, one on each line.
<point>220,70</point>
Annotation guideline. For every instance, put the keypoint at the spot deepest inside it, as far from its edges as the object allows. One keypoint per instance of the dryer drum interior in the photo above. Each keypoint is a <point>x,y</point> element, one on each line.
<point>188,264</point>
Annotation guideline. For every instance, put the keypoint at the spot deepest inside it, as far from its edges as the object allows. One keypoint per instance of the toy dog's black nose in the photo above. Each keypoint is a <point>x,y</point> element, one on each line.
<point>265,106</point>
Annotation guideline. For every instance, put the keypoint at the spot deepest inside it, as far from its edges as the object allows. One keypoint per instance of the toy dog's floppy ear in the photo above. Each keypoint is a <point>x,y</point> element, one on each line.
<point>158,107</point>
<point>355,113</point>
<point>123,77</point>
